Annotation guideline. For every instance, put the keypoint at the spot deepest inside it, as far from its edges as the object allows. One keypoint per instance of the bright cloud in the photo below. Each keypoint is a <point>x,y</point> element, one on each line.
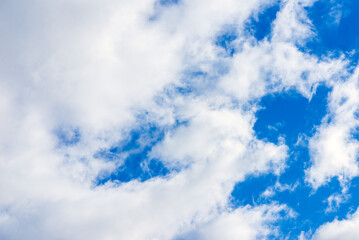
<point>78,77</point>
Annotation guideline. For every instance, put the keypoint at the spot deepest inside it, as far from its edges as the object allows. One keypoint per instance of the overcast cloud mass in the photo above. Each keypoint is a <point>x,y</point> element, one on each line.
<point>179,119</point>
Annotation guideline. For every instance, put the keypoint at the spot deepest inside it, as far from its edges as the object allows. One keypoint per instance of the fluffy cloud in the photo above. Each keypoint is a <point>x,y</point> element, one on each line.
<point>334,149</point>
<point>243,223</point>
<point>345,229</point>
<point>95,67</point>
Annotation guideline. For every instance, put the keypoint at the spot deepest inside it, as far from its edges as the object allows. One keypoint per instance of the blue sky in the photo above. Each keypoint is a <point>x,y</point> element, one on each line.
<point>179,119</point>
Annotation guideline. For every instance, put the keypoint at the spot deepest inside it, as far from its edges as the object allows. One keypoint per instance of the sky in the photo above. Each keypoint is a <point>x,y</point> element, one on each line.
<point>179,119</point>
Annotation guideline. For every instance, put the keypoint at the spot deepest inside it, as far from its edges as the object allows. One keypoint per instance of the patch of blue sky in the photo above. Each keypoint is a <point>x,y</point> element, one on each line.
<point>168,2</point>
<point>67,136</point>
<point>289,114</point>
<point>335,23</point>
<point>133,151</point>
<point>294,118</point>
<point>184,90</point>
<point>225,39</point>
<point>260,25</point>
<point>355,133</point>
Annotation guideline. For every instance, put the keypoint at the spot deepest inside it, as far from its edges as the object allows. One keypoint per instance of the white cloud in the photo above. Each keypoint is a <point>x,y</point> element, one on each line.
<point>333,149</point>
<point>244,223</point>
<point>292,23</point>
<point>275,66</point>
<point>344,229</point>
<point>94,66</point>
<point>278,187</point>
<point>336,199</point>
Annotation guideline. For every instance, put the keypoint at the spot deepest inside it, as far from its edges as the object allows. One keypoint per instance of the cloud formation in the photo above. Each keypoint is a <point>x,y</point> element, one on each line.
<point>78,77</point>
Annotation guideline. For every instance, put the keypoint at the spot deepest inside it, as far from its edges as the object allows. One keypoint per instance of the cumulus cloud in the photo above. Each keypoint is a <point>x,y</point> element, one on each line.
<point>344,229</point>
<point>244,223</point>
<point>94,67</point>
<point>334,149</point>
